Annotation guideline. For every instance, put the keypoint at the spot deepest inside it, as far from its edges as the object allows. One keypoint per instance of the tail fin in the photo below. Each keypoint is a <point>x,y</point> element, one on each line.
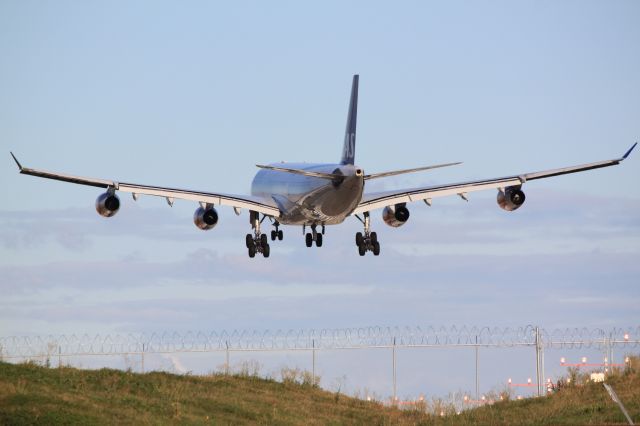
<point>349,148</point>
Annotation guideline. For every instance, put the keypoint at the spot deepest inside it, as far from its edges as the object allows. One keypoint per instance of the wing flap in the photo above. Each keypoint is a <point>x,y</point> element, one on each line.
<point>239,201</point>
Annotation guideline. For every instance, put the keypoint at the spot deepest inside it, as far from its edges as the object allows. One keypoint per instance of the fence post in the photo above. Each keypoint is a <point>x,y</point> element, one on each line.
<point>609,349</point>
<point>395,395</point>
<point>538,361</point>
<point>477,373</point>
<point>226,364</point>
<point>142,358</point>
<point>313,359</point>
<point>59,356</point>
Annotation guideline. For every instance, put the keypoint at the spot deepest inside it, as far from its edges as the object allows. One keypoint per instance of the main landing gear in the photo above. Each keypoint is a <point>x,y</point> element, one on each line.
<point>369,240</point>
<point>314,235</point>
<point>276,233</point>
<point>257,243</point>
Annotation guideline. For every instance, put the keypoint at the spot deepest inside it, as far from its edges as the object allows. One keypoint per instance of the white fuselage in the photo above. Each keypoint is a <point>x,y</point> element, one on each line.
<point>305,200</point>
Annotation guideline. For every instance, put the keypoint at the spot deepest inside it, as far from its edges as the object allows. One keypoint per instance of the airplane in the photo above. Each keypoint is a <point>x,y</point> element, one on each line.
<point>317,195</point>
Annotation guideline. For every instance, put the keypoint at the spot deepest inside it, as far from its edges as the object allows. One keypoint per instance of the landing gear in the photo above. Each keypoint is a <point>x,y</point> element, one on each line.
<point>369,240</point>
<point>257,243</point>
<point>276,233</point>
<point>314,235</point>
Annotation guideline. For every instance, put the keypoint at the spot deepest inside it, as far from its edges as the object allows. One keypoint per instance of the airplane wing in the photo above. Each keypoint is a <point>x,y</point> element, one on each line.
<point>266,207</point>
<point>376,200</point>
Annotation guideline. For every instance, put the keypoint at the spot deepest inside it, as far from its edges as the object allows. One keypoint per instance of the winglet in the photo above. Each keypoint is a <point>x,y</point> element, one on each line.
<point>629,152</point>
<point>18,163</point>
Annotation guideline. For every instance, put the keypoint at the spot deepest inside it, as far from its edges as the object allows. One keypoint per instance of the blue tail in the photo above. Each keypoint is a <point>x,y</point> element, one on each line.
<point>349,148</point>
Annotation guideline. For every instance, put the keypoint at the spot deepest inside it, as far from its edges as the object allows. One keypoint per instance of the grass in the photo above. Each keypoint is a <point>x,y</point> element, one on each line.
<point>32,394</point>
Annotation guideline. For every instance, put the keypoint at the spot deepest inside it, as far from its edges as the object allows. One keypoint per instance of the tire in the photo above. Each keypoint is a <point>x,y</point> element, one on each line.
<point>362,249</point>
<point>376,248</point>
<point>309,239</point>
<point>319,240</point>
<point>273,235</point>
<point>374,238</point>
<point>263,241</point>
<point>280,235</point>
<point>266,251</point>
<point>252,251</point>
<point>249,240</point>
<point>359,239</point>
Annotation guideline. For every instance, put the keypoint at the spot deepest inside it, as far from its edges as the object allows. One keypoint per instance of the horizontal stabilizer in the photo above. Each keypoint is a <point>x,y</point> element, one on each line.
<point>302,172</point>
<point>400,172</point>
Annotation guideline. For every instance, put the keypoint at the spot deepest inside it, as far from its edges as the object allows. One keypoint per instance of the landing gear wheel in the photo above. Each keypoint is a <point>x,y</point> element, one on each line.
<point>252,251</point>
<point>263,241</point>
<point>249,240</point>
<point>376,247</point>
<point>319,240</point>
<point>309,239</point>
<point>374,238</point>
<point>280,235</point>
<point>266,250</point>
<point>362,249</point>
<point>273,235</point>
<point>359,239</point>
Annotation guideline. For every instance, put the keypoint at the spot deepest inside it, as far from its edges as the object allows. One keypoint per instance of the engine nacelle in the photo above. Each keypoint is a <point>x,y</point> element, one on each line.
<point>395,216</point>
<point>205,218</point>
<point>511,198</point>
<point>107,204</point>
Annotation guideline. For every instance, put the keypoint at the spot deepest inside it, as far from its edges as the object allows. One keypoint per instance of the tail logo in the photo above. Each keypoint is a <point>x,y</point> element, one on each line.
<point>349,149</point>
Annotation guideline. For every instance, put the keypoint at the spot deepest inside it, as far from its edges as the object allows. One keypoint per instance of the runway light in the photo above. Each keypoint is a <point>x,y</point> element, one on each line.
<point>626,336</point>
<point>509,381</point>
<point>519,397</point>
<point>584,359</point>
<point>606,359</point>
<point>562,360</point>
<point>529,380</point>
<point>568,380</point>
<point>368,398</point>
<point>441,413</point>
<point>482,398</point>
<point>626,360</point>
<point>549,381</point>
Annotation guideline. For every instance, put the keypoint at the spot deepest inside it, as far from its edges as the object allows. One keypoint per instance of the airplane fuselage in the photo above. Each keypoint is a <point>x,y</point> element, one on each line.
<point>305,200</point>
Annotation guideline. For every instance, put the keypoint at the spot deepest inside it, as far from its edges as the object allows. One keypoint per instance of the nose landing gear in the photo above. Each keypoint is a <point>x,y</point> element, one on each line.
<point>369,240</point>
<point>276,233</point>
<point>314,235</point>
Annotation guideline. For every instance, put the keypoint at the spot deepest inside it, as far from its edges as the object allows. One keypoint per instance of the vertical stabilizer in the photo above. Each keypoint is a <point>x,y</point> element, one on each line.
<point>349,148</point>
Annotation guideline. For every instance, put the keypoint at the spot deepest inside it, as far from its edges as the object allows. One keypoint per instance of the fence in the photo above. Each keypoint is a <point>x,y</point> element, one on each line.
<point>313,341</point>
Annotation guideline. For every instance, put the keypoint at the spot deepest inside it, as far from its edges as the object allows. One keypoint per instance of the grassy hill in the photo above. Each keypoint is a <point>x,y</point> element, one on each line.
<point>31,394</point>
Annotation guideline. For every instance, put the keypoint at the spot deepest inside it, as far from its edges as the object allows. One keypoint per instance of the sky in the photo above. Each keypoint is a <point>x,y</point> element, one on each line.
<point>194,94</point>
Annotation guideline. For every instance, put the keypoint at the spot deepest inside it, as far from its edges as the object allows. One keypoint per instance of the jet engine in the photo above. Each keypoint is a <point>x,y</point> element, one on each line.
<point>205,218</point>
<point>395,216</point>
<point>107,204</point>
<point>511,198</point>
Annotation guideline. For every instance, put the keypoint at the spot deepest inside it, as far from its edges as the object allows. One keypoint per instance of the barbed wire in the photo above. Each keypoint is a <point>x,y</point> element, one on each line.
<point>314,339</point>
